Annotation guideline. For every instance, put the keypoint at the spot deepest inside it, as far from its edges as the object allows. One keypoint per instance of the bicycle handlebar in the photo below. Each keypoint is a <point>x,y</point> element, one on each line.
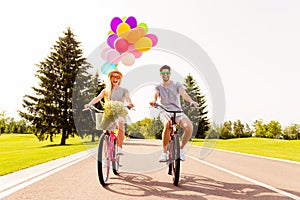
<point>96,109</point>
<point>156,105</point>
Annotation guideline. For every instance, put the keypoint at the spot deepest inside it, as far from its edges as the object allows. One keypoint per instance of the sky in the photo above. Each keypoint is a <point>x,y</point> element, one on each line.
<point>254,45</point>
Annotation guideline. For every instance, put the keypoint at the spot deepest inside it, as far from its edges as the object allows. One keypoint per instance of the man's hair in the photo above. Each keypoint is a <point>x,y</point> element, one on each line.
<point>165,67</point>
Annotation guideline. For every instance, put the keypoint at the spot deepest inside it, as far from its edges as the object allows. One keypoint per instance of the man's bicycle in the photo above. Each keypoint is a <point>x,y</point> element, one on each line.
<point>107,148</point>
<point>173,146</point>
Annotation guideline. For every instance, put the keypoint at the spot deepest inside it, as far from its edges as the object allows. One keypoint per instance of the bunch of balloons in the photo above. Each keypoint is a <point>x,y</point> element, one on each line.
<point>126,41</point>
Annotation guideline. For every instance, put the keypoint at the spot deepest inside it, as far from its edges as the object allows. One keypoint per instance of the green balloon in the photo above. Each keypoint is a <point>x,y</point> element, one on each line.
<point>144,26</point>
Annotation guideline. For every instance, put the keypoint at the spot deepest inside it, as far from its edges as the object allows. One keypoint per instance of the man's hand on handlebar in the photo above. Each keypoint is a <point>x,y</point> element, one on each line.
<point>194,104</point>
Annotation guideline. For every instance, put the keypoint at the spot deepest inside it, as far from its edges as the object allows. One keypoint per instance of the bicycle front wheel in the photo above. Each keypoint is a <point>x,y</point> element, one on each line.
<point>116,160</point>
<point>175,164</point>
<point>103,163</point>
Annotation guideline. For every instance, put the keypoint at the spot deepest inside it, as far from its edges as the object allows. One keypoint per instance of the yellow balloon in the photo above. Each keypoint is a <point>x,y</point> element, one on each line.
<point>123,29</point>
<point>143,44</point>
<point>110,32</point>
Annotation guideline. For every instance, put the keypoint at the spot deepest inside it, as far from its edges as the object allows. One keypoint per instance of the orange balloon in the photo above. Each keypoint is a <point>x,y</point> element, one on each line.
<point>143,44</point>
<point>132,35</point>
<point>123,29</point>
<point>141,31</point>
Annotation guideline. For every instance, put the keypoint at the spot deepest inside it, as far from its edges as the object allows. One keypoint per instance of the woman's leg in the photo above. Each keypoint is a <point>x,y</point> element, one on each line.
<point>121,131</point>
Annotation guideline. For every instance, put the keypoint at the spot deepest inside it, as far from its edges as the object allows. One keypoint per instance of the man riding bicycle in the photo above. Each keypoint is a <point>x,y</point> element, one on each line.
<point>169,94</point>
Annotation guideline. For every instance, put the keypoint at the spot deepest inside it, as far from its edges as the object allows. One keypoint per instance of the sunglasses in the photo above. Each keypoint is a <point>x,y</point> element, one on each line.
<point>116,76</point>
<point>165,73</point>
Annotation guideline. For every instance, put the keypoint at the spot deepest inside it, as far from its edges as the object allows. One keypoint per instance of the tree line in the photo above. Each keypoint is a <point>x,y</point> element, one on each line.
<point>237,129</point>
<point>10,125</point>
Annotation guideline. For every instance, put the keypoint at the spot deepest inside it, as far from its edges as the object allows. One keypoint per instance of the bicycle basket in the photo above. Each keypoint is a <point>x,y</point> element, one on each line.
<point>105,123</point>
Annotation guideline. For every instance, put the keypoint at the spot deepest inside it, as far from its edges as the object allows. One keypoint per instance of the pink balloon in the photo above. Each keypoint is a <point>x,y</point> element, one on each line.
<point>132,50</point>
<point>128,59</point>
<point>113,56</point>
<point>115,23</point>
<point>104,53</point>
<point>153,38</point>
<point>121,45</point>
<point>111,40</point>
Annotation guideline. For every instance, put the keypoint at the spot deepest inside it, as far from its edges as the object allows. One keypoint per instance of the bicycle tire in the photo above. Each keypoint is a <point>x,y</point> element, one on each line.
<point>116,160</point>
<point>103,162</point>
<point>176,161</point>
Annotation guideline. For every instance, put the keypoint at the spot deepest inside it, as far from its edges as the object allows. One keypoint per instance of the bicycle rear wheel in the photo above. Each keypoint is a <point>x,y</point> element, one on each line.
<point>174,165</point>
<point>116,161</point>
<point>103,163</point>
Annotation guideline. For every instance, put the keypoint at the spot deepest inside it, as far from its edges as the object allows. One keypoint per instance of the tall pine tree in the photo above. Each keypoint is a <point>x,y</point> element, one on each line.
<point>197,116</point>
<point>50,110</point>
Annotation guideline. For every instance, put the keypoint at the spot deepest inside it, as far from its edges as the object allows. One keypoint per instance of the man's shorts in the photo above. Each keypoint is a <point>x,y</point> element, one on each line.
<point>165,116</point>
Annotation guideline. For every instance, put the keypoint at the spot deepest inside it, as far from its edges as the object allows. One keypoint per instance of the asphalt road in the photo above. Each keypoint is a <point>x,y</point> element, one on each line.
<point>218,175</point>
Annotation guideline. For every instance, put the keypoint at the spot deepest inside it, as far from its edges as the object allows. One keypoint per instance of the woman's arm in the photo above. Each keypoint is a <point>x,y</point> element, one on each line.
<point>96,99</point>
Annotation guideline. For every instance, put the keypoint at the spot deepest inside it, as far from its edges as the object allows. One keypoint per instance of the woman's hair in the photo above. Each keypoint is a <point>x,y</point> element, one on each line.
<point>108,89</point>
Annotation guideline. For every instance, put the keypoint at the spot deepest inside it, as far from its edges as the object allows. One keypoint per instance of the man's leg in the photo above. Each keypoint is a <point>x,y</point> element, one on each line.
<point>166,135</point>
<point>187,126</point>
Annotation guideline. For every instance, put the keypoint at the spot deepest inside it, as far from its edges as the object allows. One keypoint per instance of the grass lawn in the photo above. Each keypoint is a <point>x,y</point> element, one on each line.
<point>283,149</point>
<point>18,151</point>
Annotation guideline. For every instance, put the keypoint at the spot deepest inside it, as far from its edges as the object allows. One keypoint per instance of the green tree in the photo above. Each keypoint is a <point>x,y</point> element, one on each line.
<point>84,94</point>
<point>197,116</point>
<point>291,132</point>
<point>2,122</point>
<point>50,110</point>
<point>155,128</point>
<point>274,130</point>
<point>247,131</point>
<point>260,128</point>
<point>238,129</point>
<point>226,130</point>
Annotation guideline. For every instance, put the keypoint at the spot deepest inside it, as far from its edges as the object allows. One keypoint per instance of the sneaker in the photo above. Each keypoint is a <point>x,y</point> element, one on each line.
<point>182,155</point>
<point>120,152</point>
<point>163,158</point>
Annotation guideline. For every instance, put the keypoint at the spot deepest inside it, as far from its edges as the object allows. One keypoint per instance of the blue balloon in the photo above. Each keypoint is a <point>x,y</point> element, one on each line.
<point>107,67</point>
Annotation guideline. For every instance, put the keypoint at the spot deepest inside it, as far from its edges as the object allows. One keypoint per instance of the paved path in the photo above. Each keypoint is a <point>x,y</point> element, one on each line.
<point>220,175</point>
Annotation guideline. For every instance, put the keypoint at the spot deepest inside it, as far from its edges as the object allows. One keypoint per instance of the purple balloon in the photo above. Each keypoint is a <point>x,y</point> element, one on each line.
<point>131,21</point>
<point>115,23</point>
<point>111,40</point>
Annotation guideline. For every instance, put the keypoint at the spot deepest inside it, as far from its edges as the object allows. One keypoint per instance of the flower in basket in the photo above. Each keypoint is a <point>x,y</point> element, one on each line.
<point>112,111</point>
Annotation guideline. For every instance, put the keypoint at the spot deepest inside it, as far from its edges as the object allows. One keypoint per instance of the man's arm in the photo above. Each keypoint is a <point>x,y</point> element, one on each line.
<point>187,97</point>
<point>156,95</point>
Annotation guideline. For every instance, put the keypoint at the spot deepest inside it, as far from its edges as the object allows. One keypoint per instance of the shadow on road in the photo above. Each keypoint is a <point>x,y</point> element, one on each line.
<point>191,186</point>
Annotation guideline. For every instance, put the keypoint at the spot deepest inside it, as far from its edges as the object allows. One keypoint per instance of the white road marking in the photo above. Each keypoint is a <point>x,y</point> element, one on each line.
<point>284,193</point>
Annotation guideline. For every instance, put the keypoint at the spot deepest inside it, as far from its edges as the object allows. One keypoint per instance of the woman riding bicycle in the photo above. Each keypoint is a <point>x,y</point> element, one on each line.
<point>169,93</point>
<point>113,92</point>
